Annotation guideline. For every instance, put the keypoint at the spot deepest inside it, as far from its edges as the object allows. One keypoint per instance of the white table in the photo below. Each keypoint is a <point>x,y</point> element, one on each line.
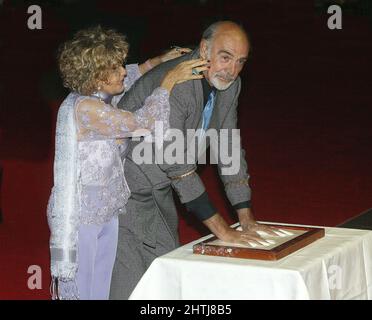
<point>338,266</point>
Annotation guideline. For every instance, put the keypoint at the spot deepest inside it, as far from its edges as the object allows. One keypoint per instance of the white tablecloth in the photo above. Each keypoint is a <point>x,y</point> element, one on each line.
<point>338,266</point>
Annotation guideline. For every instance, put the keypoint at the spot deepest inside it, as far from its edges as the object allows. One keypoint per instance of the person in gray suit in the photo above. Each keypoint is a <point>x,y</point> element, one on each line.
<point>148,229</point>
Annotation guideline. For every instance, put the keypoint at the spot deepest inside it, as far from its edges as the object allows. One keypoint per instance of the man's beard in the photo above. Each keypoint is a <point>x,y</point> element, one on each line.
<point>218,83</point>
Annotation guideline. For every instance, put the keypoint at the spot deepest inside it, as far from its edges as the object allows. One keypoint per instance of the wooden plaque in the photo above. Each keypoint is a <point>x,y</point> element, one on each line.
<point>302,236</point>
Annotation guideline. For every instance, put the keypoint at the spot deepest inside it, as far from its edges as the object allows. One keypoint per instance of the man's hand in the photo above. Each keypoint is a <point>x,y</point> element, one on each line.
<point>249,224</point>
<point>220,228</point>
<point>245,237</point>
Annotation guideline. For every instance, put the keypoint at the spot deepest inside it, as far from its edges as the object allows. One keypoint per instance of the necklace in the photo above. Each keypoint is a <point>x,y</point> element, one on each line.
<point>102,96</point>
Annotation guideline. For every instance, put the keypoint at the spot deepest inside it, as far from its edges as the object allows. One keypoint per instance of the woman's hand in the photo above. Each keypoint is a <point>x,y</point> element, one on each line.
<point>186,70</point>
<point>174,53</point>
<point>169,55</point>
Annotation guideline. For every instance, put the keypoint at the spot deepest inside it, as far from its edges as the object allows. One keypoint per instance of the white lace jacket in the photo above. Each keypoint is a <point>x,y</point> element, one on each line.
<point>89,181</point>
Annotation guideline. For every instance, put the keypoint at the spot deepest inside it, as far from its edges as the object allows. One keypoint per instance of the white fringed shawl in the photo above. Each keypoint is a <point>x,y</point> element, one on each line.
<point>63,206</point>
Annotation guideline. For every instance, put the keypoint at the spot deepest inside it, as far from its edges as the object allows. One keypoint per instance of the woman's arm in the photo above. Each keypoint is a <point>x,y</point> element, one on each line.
<point>153,62</point>
<point>135,71</point>
<point>94,116</point>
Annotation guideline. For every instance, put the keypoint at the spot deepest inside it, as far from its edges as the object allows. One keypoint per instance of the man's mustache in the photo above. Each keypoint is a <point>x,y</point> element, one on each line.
<point>225,76</point>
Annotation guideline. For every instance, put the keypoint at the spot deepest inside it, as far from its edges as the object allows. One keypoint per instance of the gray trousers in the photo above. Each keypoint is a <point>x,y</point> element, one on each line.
<point>146,231</point>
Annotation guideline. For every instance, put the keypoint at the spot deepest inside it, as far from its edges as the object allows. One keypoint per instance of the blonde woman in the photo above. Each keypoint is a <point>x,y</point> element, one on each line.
<point>89,184</point>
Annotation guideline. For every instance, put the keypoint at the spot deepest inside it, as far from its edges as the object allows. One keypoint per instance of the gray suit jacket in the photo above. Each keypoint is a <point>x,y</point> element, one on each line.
<point>186,102</point>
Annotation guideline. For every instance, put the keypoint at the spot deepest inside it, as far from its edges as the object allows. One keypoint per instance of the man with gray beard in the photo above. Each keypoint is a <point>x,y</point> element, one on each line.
<point>148,229</point>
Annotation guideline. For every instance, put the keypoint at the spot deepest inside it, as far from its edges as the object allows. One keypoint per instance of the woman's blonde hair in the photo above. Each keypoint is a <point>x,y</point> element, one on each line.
<point>89,57</point>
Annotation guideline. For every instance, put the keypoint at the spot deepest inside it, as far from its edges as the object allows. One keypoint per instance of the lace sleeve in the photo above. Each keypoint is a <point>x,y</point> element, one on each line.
<point>156,108</point>
<point>133,74</point>
<point>96,117</point>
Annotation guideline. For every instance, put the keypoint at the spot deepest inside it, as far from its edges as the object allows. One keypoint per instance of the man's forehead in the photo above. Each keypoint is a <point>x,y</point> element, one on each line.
<point>231,45</point>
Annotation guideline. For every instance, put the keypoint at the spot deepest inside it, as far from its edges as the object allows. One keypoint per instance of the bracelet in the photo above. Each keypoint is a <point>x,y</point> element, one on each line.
<point>236,183</point>
<point>184,175</point>
<point>148,65</point>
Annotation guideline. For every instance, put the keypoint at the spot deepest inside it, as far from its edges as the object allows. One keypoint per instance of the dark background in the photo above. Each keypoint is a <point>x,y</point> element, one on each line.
<point>305,110</point>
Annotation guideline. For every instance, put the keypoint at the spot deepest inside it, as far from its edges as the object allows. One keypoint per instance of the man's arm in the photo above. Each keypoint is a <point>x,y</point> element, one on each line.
<point>236,181</point>
<point>187,183</point>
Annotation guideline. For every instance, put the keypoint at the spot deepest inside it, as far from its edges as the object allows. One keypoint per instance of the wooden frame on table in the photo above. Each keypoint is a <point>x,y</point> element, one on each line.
<point>278,252</point>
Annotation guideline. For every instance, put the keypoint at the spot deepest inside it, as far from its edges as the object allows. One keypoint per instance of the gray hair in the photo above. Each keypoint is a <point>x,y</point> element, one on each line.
<point>210,32</point>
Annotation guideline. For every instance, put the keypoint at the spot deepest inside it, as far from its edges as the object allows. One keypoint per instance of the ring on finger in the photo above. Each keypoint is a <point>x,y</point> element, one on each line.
<point>195,72</point>
<point>176,47</point>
